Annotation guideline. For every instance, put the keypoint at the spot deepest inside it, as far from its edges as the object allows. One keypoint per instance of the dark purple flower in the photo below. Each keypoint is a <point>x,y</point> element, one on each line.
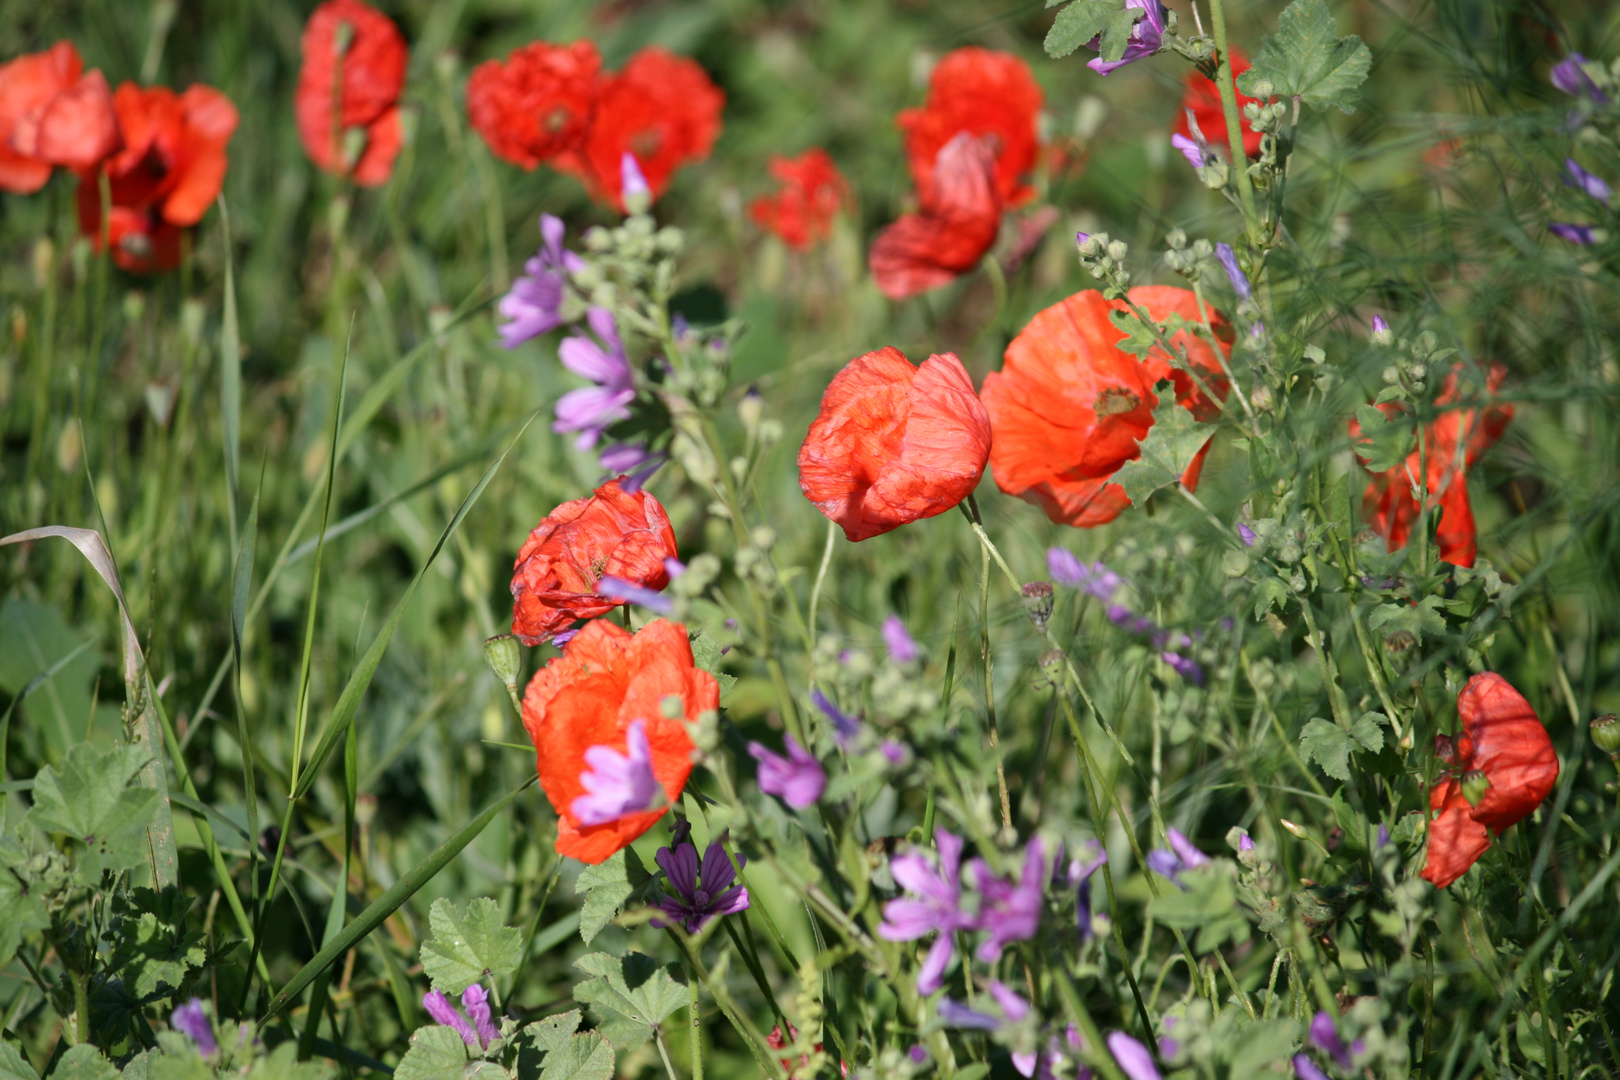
<point>534,304</point>
<point>565,637</point>
<point>1234,272</point>
<point>1080,871</point>
<point>957,1015</point>
<point>591,410</point>
<point>1324,1035</point>
<point>1095,580</point>
<point>620,589</point>
<point>702,893</point>
<point>439,1008</point>
<point>1569,75</point>
<point>845,727</point>
<point>1013,1010</point>
<point>933,906</point>
<point>1306,1069</point>
<point>1146,37</point>
<point>902,650</point>
<point>1184,666</point>
<point>918,1053</point>
<point>1575,234</point>
<point>1010,912</point>
<point>617,784</point>
<point>1577,177</point>
<point>797,779</point>
<point>897,754</point>
<point>476,1001</point>
<point>1134,1059</point>
<point>190,1020</point>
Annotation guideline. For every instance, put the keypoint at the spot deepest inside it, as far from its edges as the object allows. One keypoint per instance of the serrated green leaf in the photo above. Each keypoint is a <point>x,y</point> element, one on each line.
<point>436,1053</point>
<point>1261,1044</point>
<point>84,1062</point>
<point>1369,732</point>
<point>154,952</point>
<point>465,946</point>
<point>706,655</point>
<point>1384,443</point>
<point>1421,618</point>
<point>1139,340</point>
<point>587,1056</point>
<point>20,911</point>
<point>1269,591</point>
<point>1171,443</point>
<point>1307,59</point>
<point>606,886</point>
<point>282,1064</point>
<point>1083,20</point>
<point>631,994</point>
<point>553,1032</point>
<point>13,1064</point>
<point>90,800</point>
<point>1328,745</point>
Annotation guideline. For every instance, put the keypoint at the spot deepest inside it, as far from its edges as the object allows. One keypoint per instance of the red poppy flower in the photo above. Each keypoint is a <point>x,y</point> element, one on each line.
<point>1204,99</point>
<point>1504,739</point>
<point>894,443</point>
<point>1069,407</point>
<point>958,223</point>
<point>1452,443</point>
<point>536,104</point>
<point>604,682</point>
<point>354,70</point>
<point>812,193</point>
<point>663,109</point>
<point>984,93</point>
<point>170,170</point>
<point>51,113</point>
<point>613,533</point>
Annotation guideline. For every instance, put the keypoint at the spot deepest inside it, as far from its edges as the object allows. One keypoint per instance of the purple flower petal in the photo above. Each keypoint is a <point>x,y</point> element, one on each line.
<point>192,1021</point>
<point>631,181</point>
<point>1135,1060</point>
<point>902,649</point>
<point>1246,534</point>
<point>797,779</point>
<point>1324,1035</point>
<point>1189,150</point>
<point>476,1001</point>
<point>845,726</point>
<point>1306,1069</point>
<point>439,1008</point>
<point>1575,234</point>
<point>957,1015</point>
<point>1234,272</point>
<point>1578,177</point>
<point>1010,912</point>
<point>617,784</point>
<point>620,589</point>
<point>1569,75</point>
<point>1189,855</point>
<point>1146,37</point>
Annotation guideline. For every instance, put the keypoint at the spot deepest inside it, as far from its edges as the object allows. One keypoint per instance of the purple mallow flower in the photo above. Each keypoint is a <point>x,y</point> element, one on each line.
<point>1189,150</point>
<point>933,906</point>
<point>1234,272</point>
<point>1577,177</point>
<point>1146,37</point>
<point>797,779</point>
<point>1383,834</point>
<point>631,460</point>
<point>1246,534</point>
<point>1182,855</point>
<point>617,784</point>
<point>631,181</point>
<point>191,1021</point>
<point>1245,841</point>
<point>1569,75</point>
<point>1013,1010</point>
<point>1379,325</point>
<point>1324,1035</point>
<point>1184,666</point>
<point>1095,580</point>
<point>845,726</point>
<point>902,650</point>
<point>476,1001</point>
<point>620,589</point>
<point>1135,1060</point>
<point>701,893</point>
<point>534,304</point>
<point>1007,911</point>
<point>1306,1069</point>
<point>591,410</point>
<point>1575,234</point>
<point>1080,871</point>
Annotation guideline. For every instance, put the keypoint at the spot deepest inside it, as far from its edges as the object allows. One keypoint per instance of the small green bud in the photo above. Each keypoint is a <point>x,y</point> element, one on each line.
<point>1474,786</point>
<point>1118,250</point>
<point>1263,89</point>
<point>1176,238</point>
<point>504,656</point>
<point>1606,734</point>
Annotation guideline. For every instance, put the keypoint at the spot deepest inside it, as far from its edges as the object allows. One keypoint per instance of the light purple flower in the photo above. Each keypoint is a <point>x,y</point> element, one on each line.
<point>1010,912</point>
<point>957,1015</point>
<point>1324,1035</point>
<point>619,589</point>
<point>634,462</point>
<point>1080,238</point>
<point>1146,37</point>
<point>1189,150</point>
<point>1379,325</point>
<point>439,1008</point>
<point>933,906</point>
<point>591,410</point>
<point>1306,1069</point>
<point>1569,75</point>
<point>533,306</point>
<point>1013,1010</point>
<point>631,181</point>
<point>797,779</point>
<point>1095,580</point>
<point>1578,177</point>
<point>1184,666</point>
<point>673,567</point>
<point>1234,272</point>
<point>1383,834</point>
<point>701,894</point>
<point>1245,841</point>
<point>902,649</point>
<point>476,1001</point>
<point>1246,534</point>
<point>1191,858</point>
<point>192,1021</point>
<point>565,637</point>
<point>1183,855</point>
<point>896,753</point>
<point>845,726</point>
<point>617,784</point>
<point>1575,234</point>
<point>1135,1060</point>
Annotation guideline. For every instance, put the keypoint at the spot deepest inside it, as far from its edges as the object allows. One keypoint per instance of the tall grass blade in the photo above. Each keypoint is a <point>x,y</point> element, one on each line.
<point>230,376</point>
<point>241,585</point>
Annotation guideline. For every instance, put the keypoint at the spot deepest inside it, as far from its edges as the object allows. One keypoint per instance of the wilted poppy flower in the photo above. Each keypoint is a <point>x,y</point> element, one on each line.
<point>984,93</point>
<point>590,696</point>
<point>164,179</point>
<point>52,113</point>
<point>812,193</point>
<point>613,533</point>
<point>661,108</point>
<point>1069,407</point>
<point>1203,97</point>
<point>536,104</point>
<point>1452,443</point>
<point>1503,740</point>
<point>894,443</point>
<point>960,218</point>
<point>347,101</point>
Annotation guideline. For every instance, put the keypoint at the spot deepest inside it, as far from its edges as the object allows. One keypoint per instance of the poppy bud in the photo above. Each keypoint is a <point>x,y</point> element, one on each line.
<point>1037,597</point>
<point>1474,786</point>
<point>1606,734</point>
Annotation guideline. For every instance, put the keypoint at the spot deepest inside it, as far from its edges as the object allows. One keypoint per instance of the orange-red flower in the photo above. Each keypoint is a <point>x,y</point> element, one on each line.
<point>1204,99</point>
<point>958,222</point>
<point>894,443</point>
<point>1069,407</point>
<point>984,93</point>
<point>1503,739</point>
<point>590,696</point>
<point>812,193</point>
<point>52,113</point>
<point>536,104</point>
<point>169,171</point>
<point>347,102</point>
<point>613,533</point>
<point>1452,443</point>
<point>661,108</point>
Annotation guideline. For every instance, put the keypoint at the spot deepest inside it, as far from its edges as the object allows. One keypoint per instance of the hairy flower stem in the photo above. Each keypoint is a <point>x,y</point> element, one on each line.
<point>722,997</point>
<point>694,1021</point>
<point>1227,84</point>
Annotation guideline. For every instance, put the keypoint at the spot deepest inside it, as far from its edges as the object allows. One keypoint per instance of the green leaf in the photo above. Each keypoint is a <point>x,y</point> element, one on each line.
<point>90,799</point>
<point>1368,731</point>
<point>13,1064</point>
<point>1139,340</point>
<point>1308,60</point>
<point>1086,19</point>
<point>553,1032</point>
<point>1269,591</point>
<point>1171,443</point>
<point>283,1064</point>
<point>587,1056</point>
<point>631,994</point>
<point>20,909</point>
<point>1421,618</point>
<point>1207,902</point>
<point>1330,745</point>
<point>1261,1044</point>
<point>437,1053</point>
<point>706,655</point>
<point>606,886</point>
<point>467,946</point>
<point>1384,443</point>
<point>83,1062</point>
<point>154,952</point>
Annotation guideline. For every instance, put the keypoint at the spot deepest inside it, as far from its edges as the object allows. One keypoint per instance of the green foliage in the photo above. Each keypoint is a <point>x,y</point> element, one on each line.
<point>154,948</point>
<point>1171,443</point>
<point>1083,20</point>
<point>438,1053</point>
<point>469,945</point>
<point>1421,618</point>
<point>1385,442</point>
<point>13,1065</point>
<point>1307,59</point>
<point>606,886</point>
<point>1206,902</point>
<point>632,994</point>
<point>93,800</point>
<point>84,1062</point>
<point>1330,745</point>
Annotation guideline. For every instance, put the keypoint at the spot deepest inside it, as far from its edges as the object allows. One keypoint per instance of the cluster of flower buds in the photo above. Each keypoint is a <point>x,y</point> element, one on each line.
<point>1408,377</point>
<point>1104,259</point>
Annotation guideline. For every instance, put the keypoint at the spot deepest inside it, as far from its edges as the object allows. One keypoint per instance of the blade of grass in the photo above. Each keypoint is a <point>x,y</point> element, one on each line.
<point>230,377</point>
<point>320,997</point>
<point>241,584</point>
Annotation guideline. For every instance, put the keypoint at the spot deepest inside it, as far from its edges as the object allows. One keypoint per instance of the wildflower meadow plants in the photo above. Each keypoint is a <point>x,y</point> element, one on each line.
<point>900,552</point>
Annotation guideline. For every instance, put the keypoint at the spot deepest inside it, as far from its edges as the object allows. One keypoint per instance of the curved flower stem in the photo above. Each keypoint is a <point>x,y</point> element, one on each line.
<point>821,577</point>
<point>990,685</point>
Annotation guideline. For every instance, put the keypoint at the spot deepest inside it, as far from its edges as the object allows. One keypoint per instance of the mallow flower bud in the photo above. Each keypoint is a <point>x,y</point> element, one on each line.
<point>504,656</point>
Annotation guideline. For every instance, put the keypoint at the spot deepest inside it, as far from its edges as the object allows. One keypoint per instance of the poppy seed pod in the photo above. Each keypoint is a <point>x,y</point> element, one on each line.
<point>1606,734</point>
<point>1037,597</point>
